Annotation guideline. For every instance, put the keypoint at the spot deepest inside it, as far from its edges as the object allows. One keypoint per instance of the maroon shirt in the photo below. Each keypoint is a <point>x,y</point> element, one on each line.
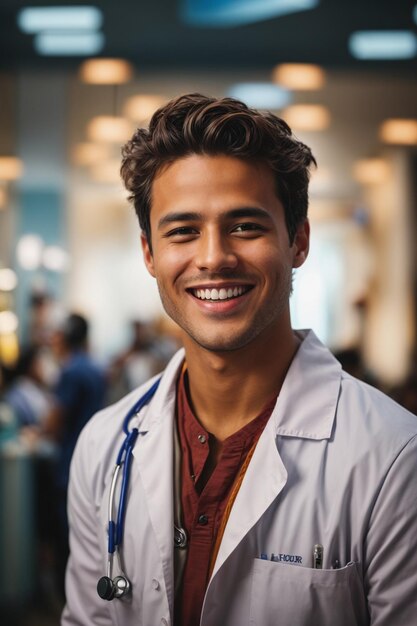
<point>204,494</point>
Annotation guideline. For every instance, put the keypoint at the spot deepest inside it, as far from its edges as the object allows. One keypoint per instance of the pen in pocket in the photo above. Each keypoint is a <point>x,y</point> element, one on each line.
<point>317,556</point>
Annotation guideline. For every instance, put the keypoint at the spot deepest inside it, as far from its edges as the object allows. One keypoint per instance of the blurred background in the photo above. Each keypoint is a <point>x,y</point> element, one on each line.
<point>77,309</point>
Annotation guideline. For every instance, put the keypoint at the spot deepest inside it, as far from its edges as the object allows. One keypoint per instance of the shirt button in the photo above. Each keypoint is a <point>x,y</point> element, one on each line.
<point>203,520</point>
<point>155,584</point>
<point>202,438</point>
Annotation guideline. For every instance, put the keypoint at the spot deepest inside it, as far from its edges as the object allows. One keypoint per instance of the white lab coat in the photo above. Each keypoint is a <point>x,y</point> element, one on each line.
<point>336,465</point>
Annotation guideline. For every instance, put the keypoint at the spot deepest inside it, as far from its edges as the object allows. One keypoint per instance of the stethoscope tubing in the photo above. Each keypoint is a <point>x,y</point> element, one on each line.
<point>124,458</point>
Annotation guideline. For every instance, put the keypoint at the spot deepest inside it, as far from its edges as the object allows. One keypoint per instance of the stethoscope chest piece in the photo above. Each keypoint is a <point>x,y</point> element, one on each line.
<point>108,589</point>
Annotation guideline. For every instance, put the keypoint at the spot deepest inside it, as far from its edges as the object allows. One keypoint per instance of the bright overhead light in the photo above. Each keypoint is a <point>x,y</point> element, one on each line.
<point>88,153</point>
<point>399,131</point>
<point>371,171</point>
<point>109,128</point>
<point>383,45</point>
<point>35,19</point>
<point>8,279</point>
<point>141,108</point>
<point>299,76</point>
<point>220,13</point>
<point>8,322</point>
<point>11,168</point>
<point>106,71</point>
<point>29,252</point>
<point>56,43</point>
<point>308,117</point>
<point>261,95</point>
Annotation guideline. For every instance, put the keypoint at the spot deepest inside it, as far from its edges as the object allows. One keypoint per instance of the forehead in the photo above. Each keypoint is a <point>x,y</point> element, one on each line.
<point>212,178</point>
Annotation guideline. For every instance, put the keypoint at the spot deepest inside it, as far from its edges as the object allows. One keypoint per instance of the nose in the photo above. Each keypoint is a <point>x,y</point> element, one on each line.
<point>215,252</point>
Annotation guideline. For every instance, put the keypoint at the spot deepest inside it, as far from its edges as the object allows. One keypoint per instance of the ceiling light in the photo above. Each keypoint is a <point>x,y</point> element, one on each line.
<point>8,322</point>
<point>56,43</point>
<point>106,71</point>
<point>29,252</point>
<point>308,117</point>
<point>399,131</point>
<point>10,168</point>
<point>371,171</point>
<point>35,19</point>
<point>89,153</point>
<point>109,128</point>
<point>8,279</point>
<point>261,95</point>
<point>141,108</point>
<point>383,45</point>
<point>234,12</point>
<point>299,76</point>
<point>107,172</point>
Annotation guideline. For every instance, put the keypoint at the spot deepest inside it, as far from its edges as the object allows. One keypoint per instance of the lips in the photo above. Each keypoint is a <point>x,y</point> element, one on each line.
<point>222,293</point>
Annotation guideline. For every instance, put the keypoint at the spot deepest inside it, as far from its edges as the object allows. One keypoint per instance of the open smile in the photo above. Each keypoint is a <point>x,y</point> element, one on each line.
<point>222,293</point>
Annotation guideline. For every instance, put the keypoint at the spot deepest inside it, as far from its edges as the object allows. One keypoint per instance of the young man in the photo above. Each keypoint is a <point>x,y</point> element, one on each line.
<point>287,486</point>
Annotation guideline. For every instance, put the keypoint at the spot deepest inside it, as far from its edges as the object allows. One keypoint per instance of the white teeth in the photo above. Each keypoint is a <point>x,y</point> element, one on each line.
<point>218,294</point>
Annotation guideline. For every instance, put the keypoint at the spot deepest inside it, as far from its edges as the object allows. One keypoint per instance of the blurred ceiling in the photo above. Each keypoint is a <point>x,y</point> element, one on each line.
<point>152,34</point>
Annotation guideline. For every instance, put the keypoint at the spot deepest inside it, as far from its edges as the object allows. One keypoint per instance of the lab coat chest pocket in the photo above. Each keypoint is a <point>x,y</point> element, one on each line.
<point>289,594</point>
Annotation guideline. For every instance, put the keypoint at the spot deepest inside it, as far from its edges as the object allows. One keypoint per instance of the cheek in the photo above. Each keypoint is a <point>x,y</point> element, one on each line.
<point>169,263</point>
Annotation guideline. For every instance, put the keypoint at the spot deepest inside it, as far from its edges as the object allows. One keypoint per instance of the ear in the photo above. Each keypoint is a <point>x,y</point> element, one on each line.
<point>301,244</point>
<point>147,255</point>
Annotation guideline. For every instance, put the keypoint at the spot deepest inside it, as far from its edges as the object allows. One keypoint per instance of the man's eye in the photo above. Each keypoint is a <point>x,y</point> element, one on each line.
<point>181,231</point>
<point>248,227</point>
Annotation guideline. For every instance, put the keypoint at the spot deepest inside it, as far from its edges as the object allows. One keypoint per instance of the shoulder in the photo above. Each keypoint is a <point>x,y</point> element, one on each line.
<point>374,404</point>
<point>371,420</point>
<point>100,440</point>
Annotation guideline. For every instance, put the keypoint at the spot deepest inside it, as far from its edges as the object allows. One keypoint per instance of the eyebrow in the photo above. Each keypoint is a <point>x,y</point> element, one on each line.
<point>194,216</point>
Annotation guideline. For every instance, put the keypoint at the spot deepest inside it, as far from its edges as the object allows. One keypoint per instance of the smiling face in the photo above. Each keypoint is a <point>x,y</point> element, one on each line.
<point>220,251</point>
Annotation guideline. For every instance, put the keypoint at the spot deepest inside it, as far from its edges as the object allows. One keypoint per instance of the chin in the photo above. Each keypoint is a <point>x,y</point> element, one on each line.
<point>224,343</point>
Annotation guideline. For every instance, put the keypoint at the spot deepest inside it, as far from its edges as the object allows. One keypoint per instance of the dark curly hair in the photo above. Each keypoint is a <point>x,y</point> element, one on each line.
<point>196,124</point>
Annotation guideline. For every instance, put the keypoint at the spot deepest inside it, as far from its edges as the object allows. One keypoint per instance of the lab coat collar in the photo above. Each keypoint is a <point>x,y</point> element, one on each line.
<point>306,405</point>
<point>307,402</point>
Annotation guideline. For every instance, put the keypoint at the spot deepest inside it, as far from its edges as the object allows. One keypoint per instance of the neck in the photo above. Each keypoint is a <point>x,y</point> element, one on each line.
<point>229,389</point>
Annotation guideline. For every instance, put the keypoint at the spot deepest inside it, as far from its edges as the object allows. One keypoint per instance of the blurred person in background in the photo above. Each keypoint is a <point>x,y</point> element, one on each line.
<point>78,393</point>
<point>267,486</point>
<point>28,395</point>
<point>137,363</point>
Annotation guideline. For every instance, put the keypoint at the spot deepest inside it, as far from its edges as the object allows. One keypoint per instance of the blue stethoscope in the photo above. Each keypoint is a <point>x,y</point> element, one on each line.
<point>118,587</point>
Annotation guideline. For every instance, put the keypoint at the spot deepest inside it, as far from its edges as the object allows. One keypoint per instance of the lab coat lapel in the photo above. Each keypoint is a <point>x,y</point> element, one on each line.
<point>303,410</point>
<point>153,466</point>
<point>252,501</point>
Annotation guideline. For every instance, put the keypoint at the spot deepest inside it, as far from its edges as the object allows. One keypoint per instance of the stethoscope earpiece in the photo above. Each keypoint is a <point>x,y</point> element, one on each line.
<point>108,589</point>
